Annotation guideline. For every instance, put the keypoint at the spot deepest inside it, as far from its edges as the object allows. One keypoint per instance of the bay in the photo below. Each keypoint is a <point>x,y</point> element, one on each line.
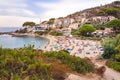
<point>7,41</point>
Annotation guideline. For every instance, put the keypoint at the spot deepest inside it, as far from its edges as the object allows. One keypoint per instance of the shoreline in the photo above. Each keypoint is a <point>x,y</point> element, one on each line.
<point>33,35</point>
<point>76,47</point>
<point>13,34</point>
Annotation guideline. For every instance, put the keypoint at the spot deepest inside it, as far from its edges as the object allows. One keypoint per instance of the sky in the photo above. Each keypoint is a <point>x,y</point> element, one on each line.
<point>14,13</point>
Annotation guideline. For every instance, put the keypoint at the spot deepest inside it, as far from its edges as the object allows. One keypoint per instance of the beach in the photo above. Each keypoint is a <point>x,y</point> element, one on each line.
<point>77,47</point>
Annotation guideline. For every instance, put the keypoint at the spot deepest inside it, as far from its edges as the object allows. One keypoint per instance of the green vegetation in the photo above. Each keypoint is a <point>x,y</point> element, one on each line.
<point>109,47</point>
<point>74,32</point>
<point>21,30</point>
<point>114,24</point>
<point>86,30</point>
<point>27,63</point>
<point>18,64</point>
<point>28,24</point>
<point>75,63</point>
<point>51,21</point>
<point>56,33</point>
<point>43,32</point>
<point>109,11</point>
<point>114,65</point>
<point>98,26</point>
<point>112,51</point>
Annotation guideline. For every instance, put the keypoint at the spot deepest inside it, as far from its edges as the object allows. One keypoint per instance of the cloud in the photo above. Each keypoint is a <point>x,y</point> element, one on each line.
<point>17,12</point>
<point>65,7</point>
<point>14,21</point>
<point>12,10</point>
<point>13,3</point>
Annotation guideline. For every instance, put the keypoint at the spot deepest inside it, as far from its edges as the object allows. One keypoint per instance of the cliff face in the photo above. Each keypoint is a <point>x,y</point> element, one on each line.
<point>109,10</point>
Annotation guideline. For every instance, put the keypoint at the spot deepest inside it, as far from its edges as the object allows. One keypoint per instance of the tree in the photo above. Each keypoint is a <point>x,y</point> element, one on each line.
<point>112,47</point>
<point>109,50</point>
<point>109,47</point>
<point>117,40</point>
<point>28,24</point>
<point>114,24</point>
<point>51,21</point>
<point>86,30</point>
<point>111,11</point>
<point>98,26</point>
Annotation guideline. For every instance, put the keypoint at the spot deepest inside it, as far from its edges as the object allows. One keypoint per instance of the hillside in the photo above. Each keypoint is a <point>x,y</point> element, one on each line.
<point>102,10</point>
<point>106,12</point>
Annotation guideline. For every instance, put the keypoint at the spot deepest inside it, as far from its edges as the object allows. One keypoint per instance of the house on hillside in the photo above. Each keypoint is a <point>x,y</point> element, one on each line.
<point>102,19</point>
<point>81,20</point>
<point>58,22</point>
<point>105,32</point>
<point>39,28</point>
<point>28,28</point>
<point>74,25</point>
<point>84,14</point>
<point>44,24</point>
<point>65,31</point>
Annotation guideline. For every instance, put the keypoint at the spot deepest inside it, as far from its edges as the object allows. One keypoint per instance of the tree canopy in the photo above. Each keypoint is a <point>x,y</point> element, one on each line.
<point>86,30</point>
<point>111,46</point>
<point>28,24</point>
<point>114,24</point>
<point>109,11</point>
<point>51,21</point>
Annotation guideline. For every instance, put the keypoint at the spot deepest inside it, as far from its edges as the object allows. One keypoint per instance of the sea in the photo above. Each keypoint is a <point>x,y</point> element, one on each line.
<point>8,29</point>
<point>8,41</point>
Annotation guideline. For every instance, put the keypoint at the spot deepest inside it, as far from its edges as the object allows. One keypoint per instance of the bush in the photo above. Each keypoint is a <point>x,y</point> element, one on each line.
<point>117,57</point>
<point>21,30</point>
<point>75,63</point>
<point>40,32</point>
<point>114,65</point>
<point>16,64</point>
<point>55,33</point>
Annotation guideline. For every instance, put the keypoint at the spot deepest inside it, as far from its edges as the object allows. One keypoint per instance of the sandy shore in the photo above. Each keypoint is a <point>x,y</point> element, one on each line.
<point>77,47</point>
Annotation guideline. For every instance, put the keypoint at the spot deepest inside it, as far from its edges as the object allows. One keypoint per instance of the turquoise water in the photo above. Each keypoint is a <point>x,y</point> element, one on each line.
<point>7,41</point>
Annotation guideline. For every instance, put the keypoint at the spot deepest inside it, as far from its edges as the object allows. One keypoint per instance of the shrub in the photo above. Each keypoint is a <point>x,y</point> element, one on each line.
<point>55,33</point>
<point>21,63</point>
<point>114,65</point>
<point>75,63</point>
<point>117,57</point>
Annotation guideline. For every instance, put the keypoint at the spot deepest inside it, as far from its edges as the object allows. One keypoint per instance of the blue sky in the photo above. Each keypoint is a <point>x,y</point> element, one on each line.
<point>15,12</point>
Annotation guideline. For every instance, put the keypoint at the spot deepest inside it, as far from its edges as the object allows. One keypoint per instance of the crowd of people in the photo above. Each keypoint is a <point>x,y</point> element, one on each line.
<point>77,47</point>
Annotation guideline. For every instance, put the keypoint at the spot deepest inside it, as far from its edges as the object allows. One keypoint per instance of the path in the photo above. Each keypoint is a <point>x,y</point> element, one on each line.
<point>109,74</point>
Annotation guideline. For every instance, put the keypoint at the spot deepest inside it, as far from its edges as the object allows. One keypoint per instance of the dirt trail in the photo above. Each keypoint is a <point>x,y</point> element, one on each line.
<point>109,74</point>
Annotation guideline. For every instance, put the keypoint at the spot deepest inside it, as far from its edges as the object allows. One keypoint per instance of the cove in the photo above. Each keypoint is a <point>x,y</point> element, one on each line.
<point>8,41</point>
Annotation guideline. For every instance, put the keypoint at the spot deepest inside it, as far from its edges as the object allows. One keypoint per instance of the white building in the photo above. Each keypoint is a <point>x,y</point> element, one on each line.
<point>107,31</point>
<point>102,19</point>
